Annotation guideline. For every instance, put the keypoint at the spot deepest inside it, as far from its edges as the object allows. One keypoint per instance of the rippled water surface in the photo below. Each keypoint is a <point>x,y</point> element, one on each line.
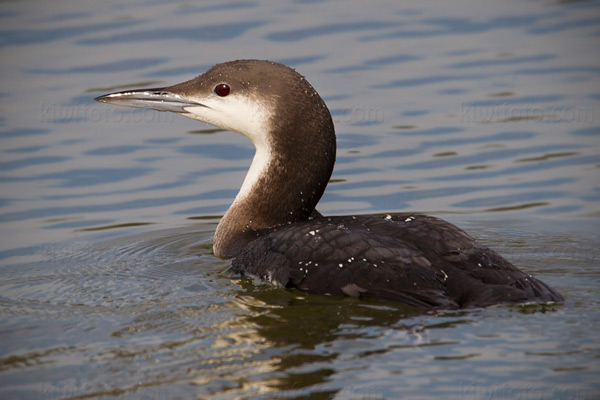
<point>485,113</point>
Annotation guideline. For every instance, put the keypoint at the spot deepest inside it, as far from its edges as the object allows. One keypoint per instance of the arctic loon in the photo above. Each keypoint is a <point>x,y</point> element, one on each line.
<point>272,229</point>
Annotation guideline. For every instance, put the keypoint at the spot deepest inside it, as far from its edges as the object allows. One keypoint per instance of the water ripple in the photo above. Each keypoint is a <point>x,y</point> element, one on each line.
<point>31,161</point>
<point>202,33</point>
<point>20,37</point>
<point>295,35</point>
<point>110,67</point>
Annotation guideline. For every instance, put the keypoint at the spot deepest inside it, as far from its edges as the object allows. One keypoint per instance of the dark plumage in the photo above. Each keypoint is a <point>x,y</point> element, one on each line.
<point>409,258</point>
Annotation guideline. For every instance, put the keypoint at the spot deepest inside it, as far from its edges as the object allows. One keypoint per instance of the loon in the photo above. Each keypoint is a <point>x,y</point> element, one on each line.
<point>272,229</point>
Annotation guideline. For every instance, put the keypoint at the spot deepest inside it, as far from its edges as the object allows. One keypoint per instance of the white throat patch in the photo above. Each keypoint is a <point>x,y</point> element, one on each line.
<point>247,116</point>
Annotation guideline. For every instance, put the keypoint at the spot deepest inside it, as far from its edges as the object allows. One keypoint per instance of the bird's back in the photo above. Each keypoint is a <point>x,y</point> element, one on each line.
<point>413,259</point>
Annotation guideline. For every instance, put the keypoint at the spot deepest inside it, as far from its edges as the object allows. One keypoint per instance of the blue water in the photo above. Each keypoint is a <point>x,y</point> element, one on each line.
<point>486,114</point>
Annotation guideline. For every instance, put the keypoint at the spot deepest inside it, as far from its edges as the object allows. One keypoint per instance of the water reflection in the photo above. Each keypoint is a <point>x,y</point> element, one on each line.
<point>312,332</point>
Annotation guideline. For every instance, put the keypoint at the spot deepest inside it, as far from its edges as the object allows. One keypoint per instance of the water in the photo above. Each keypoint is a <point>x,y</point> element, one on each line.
<point>486,114</point>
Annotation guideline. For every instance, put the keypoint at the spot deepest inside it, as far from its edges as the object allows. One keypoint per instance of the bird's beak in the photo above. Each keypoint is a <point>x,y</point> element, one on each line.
<point>159,99</point>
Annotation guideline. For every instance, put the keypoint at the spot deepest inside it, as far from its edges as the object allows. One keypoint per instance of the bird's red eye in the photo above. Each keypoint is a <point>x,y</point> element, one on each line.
<point>222,89</point>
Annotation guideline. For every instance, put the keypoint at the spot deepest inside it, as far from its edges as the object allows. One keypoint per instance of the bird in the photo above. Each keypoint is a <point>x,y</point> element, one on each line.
<point>273,231</point>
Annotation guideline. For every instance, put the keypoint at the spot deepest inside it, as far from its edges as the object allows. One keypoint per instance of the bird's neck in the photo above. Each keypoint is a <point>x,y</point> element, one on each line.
<point>286,179</point>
